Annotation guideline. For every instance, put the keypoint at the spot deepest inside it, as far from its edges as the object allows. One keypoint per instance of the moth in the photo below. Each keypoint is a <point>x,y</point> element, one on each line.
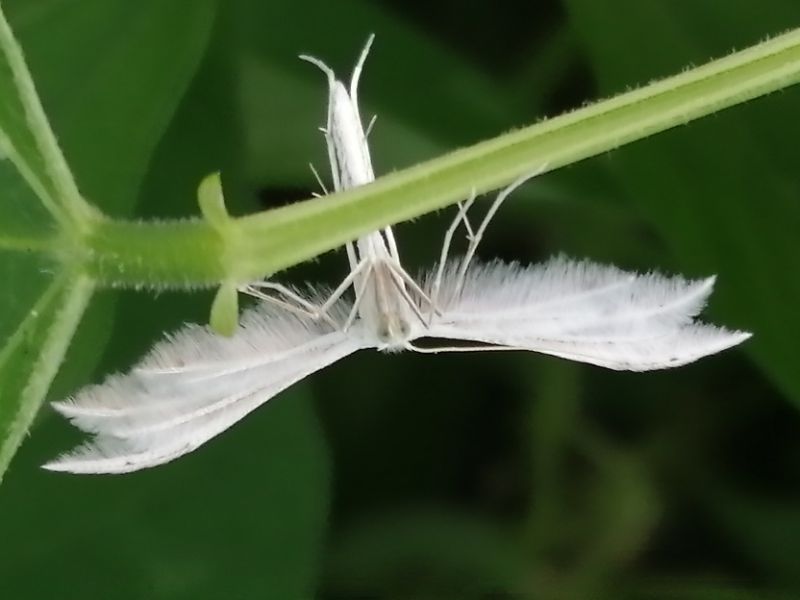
<point>195,384</point>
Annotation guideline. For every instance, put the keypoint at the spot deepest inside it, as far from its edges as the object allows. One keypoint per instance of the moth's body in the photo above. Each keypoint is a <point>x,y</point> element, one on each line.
<point>195,384</point>
<point>383,303</point>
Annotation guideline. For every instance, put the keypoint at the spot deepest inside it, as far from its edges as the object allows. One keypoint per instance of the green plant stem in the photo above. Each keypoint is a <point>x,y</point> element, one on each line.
<point>191,253</point>
<point>47,331</point>
<point>44,168</point>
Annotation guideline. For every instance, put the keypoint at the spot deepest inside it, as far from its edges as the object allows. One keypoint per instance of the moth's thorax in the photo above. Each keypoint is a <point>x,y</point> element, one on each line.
<point>383,302</point>
<point>348,139</point>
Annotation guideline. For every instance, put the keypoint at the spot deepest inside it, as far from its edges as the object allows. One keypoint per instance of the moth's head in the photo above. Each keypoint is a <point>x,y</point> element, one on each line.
<point>393,332</point>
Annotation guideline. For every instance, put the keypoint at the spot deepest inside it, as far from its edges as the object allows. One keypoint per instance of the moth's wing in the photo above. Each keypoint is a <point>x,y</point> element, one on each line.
<point>581,311</point>
<point>196,384</point>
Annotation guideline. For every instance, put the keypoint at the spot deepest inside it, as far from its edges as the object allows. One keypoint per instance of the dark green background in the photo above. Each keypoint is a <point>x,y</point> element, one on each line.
<point>403,476</point>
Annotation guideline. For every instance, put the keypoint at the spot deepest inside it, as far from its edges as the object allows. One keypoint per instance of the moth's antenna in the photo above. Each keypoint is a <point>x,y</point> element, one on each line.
<point>358,68</point>
<point>320,65</point>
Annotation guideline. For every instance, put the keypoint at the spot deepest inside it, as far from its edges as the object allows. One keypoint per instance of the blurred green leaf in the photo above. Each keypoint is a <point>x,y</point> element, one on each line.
<point>724,194</point>
<point>623,509</point>
<point>554,397</point>
<point>240,518</point>
<point>690,590</point>
<point>426,551</point>
<point>766,531</point>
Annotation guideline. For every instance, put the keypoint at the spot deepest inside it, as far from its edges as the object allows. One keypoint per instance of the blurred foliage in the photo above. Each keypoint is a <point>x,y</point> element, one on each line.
<point>416,476</point>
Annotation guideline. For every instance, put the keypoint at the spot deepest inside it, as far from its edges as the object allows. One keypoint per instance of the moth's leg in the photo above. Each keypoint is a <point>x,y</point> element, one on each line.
<point>360,291</point>
<point>304,307</point>
<point>475,239</point>
<point>398,284</point>
<point>346,283</point>
<point>498,201</point>
<point>391,244</point>
<point>319,180</point>
<point>465,219</point>
<point>352,255</point>
<point>301,307</point>
<point>460,217</point>
<point>399,277</point>
<point>258,286</point>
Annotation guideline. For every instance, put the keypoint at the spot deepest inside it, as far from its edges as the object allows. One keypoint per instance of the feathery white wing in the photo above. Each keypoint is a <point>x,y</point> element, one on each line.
<point>580,311</point>
<point>196,384</point>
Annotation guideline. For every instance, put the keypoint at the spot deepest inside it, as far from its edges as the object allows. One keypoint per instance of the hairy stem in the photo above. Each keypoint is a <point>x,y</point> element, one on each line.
<point>192,253</point>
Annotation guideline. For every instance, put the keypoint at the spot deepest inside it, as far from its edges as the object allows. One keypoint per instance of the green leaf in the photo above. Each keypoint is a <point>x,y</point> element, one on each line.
<point>41,211</point>
<point>724,193</point>
<point>134,61</point>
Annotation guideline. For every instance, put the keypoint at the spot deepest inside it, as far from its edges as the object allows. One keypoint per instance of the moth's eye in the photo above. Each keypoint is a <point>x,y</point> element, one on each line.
<point>393,329</point>
<point>404,328</point>
<point>384,332</point>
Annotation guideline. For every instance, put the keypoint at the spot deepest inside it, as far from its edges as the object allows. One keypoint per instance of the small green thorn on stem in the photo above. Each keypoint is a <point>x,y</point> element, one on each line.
<point>224,317</point>
<point>212,203</point>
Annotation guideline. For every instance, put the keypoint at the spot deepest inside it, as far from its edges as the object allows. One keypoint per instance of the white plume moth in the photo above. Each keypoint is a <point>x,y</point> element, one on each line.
<point>195,384</point>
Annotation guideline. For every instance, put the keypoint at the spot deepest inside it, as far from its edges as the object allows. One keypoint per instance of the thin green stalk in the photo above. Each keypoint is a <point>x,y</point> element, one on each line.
<point>554,396</point>
<point>192,253</point>
<point>47,329</point>
<point>61,197</point>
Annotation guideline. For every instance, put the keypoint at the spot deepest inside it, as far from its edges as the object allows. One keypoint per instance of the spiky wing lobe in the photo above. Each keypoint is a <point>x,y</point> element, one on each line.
<point>581,311</point>
<point>195,384</point>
